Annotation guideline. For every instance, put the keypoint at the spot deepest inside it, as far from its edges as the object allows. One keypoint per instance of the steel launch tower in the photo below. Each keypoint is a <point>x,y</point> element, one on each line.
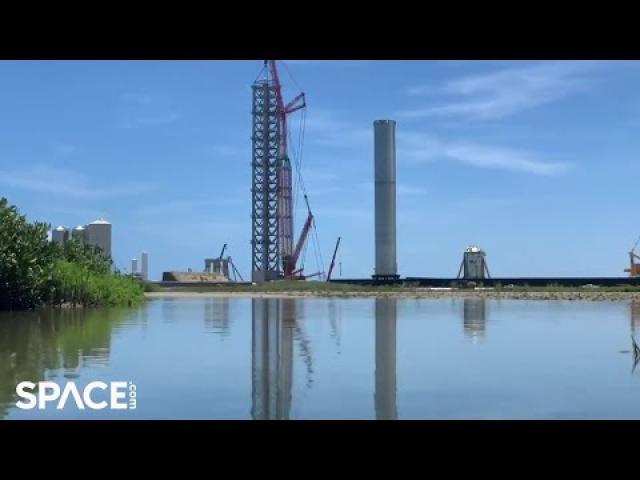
<point>273,253</point>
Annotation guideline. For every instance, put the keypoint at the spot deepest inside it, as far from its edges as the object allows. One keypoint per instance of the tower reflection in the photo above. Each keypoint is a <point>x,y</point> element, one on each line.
<point>635,318</point>
<point>385,370</point>
<point>475,318</point>
<point>216,315</point>
<point>635,327</point>
<point>273,325</point>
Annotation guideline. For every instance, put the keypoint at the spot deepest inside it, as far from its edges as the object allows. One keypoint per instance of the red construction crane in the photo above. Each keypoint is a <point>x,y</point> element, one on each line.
<point>298,103</point>
<point>289,255</point>
<point>333,260</point>
<point>290,263</point>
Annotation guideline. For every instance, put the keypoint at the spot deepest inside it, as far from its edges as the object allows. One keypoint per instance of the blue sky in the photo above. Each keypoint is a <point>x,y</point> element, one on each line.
<point>534,161</point>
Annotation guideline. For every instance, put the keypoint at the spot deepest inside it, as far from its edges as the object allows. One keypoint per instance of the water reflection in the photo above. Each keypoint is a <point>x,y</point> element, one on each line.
<point>273,322</point>
<point>216,315</point>
<point>334,322</point>
<point>635,318</point>
<point>635,326</point>
<point>47,344</point>
<point>400,358</point>
<point>475,318</point>
<point>385,370</point>
<point>276,325</point>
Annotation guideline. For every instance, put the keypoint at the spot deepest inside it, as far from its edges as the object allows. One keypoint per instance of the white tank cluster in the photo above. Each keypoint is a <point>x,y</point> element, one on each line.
<point>97,233</point>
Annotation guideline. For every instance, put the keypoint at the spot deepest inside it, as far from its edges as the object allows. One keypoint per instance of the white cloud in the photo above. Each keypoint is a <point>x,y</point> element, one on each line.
<point>502,158</point>
<point>505,92</point>
<point>60,181</point>
<point>331,130</point>
<point>421,147</point>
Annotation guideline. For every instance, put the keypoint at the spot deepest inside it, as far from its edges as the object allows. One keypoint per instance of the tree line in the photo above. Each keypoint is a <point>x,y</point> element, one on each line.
<point>35,272</point>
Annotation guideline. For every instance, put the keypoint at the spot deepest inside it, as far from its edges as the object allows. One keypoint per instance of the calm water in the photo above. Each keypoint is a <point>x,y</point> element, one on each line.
<point>334,358</point>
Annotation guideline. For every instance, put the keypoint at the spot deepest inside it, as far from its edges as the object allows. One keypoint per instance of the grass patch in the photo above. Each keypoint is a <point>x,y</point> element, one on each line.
<point>76,285</point>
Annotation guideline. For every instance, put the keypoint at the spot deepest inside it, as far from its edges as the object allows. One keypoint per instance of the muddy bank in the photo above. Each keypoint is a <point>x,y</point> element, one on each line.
<point>418,293</point>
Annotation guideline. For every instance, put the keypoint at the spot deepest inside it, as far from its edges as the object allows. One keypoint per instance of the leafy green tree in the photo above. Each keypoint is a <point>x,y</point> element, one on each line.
<point>89,256</point>
<point>26,259</point>
<point>35,272</point>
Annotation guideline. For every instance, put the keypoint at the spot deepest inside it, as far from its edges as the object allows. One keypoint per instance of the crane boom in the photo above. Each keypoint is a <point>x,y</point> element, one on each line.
<point>298,103</point>
<point>290,263</point>
<point>333,260</point>
<point>285,177</point>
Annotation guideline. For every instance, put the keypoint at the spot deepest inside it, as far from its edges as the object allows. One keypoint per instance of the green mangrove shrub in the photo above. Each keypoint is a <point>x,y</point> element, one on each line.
<point>34,271</point>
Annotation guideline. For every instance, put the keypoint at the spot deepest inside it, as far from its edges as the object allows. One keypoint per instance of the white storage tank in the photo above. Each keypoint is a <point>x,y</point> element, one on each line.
<point>144,270</point>
<point>60,235</point>
<point>99,235</point>
<point>80,232</point>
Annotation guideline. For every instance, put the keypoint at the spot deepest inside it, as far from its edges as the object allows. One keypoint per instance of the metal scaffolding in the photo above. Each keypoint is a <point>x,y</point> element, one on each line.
<point>265,264</point>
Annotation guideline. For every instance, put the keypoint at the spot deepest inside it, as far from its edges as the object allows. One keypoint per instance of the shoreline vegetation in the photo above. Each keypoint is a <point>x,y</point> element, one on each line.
<point>323,290</point>
<point>35,272</point>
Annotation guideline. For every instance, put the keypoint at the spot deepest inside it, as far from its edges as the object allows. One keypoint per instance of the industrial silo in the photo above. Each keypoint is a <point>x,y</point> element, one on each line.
<point>99,235</point>
<point>144,271</point>
<point>60,235</point>
<point>80,232</point>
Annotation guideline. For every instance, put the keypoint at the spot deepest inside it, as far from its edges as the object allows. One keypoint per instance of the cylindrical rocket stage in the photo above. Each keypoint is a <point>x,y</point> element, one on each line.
<point>385,198</point>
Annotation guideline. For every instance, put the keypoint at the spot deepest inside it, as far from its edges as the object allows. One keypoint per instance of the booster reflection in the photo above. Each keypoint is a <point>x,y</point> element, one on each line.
<point>385,390</point>
<point>273,329</point>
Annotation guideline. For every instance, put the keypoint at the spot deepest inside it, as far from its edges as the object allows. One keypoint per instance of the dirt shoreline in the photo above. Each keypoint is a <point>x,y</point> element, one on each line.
<point>421,294</point>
